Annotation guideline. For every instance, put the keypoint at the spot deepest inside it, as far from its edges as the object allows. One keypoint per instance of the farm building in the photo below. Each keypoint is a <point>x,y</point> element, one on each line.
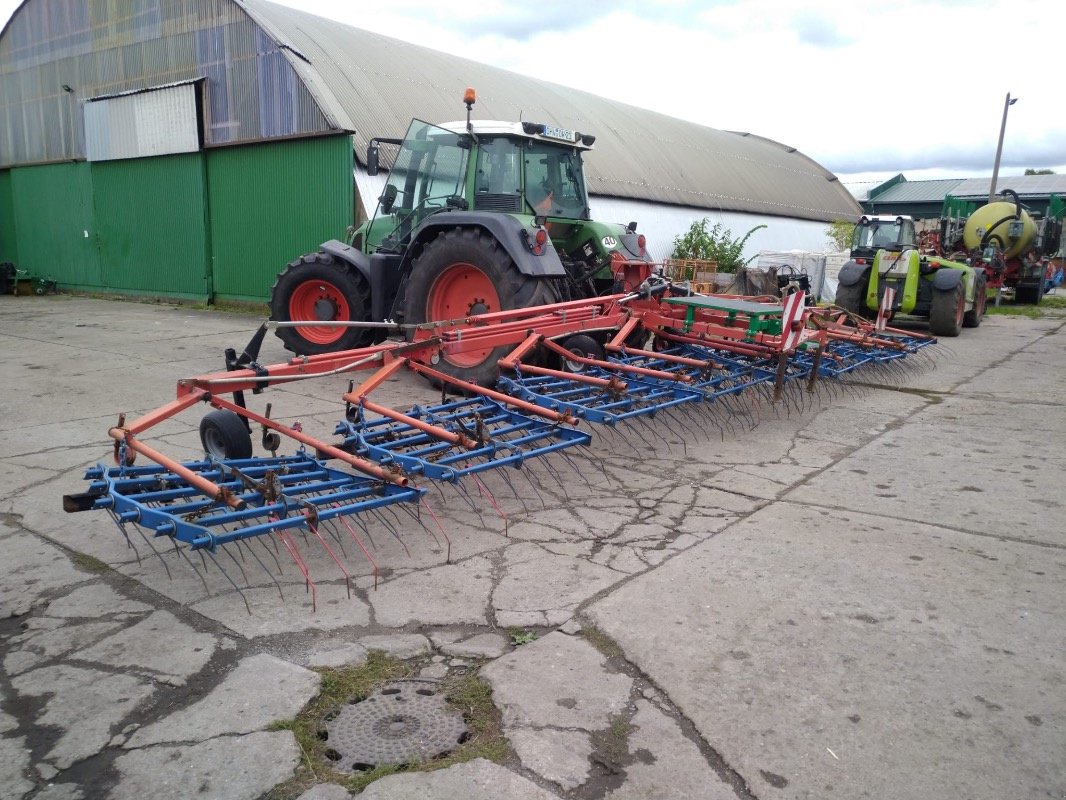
<point>925,199</point>
<point>190,148</point>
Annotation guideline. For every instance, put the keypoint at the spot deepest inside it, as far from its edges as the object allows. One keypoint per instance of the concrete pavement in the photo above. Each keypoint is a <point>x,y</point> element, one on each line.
<point>862,598</point>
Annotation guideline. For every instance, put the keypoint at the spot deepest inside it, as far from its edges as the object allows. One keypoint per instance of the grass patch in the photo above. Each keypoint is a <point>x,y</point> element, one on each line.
<point>602,642</point>
<point>89,564</point>
<point>465,692</point>
<point>1050,306</point>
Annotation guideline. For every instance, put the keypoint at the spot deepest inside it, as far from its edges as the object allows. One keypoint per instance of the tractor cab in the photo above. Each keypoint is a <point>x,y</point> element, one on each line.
<point>522,168</point>
<point>873,233</point>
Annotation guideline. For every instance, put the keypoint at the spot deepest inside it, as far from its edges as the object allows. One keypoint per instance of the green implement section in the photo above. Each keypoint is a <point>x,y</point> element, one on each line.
<point>762,317</point>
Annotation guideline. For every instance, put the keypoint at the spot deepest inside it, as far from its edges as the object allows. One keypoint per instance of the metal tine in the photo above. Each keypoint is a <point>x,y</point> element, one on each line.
<point>365,528</point>
<point>244,575</point>
<point>415,513</point>
<point>294,553</point>
<point>389,526</point>
<point>233,583</point>
<point>359,542</point>
<point>550,469</point>
<point>331,528</point>
<point>487,494</point>
<point>129,542</point>
<point>573,466</point>
<point>502,473</point>
<point>266,569</point>
<point>337,561</point>
<point>536,489</point>
<point>588,452</point>
<point>469,500</point>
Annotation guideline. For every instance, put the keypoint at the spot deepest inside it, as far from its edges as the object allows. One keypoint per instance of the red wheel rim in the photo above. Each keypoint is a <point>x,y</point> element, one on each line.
<point>960,310</point>
<point>318,300</point>
<point>458,292</point>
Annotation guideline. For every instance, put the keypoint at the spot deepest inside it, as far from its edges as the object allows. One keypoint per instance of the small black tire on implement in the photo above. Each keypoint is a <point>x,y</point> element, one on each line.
<point>581,345</point>
<point>464,272</point>
<point>947,310</point>
<point>224,435</point>
<point>318,287</point>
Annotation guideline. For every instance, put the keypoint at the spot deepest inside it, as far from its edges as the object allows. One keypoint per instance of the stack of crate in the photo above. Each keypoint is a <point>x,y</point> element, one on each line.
<point>699,272</point>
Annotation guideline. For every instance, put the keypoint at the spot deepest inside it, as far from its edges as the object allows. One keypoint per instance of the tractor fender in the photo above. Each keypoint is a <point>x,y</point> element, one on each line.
<point>504,228</point>
<point>946,279</point>
<point>374,268</point>
<point>851,273</point>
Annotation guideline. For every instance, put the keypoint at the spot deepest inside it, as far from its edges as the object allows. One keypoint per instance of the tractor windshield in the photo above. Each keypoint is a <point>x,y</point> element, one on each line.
<point>429,171</point>
<point>874,234</point>
<point>517,175</point>
<point>555,184</point>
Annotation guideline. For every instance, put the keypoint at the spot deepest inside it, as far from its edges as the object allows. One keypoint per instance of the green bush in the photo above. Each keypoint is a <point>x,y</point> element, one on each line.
<point>716,244</point>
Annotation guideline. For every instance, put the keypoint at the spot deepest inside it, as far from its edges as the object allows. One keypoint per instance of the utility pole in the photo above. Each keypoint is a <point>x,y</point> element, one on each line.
<point>999,147</point>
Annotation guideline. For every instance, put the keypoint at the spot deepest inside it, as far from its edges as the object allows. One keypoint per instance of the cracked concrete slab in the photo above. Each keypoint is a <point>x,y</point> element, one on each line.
<point>137,647</point>
<point>560,756</point>
<point>226,768</point>
<point>475,780</point>
<point>397,645</point>
<point>771,648</point>
<point>260,690</point>
<point>94,601</point>
<point>446,595</point>
<point>665,764</point>
<point>558,681</point>
<point>82,703</point>
<point>41,646</point>
<point>14,764</point>
<point>31,568</point>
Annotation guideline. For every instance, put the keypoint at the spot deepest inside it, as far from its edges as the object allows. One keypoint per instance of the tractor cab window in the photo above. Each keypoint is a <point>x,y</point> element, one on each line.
<point>876,234</point>
<point>429,169</point>
<point>498,175</point>
<point>555,184</point>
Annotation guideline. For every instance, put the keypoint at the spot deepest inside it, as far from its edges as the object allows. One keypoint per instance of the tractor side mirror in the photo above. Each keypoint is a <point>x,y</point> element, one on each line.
<point>373,164</point>
<point>388,199</point>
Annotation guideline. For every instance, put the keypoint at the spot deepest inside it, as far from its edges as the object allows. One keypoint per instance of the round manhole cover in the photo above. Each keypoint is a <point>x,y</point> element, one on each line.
<point>405,721</point>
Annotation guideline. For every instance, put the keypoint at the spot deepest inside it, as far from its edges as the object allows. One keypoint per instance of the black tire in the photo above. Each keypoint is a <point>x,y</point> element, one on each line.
<point>320,287</point>
<point>947,310</point>
<point>1029,294</point>
<point>853,298</point>
<point>973,317</point>
<point>435,292</point>
<point>224,435</point>
<point>581,345</point>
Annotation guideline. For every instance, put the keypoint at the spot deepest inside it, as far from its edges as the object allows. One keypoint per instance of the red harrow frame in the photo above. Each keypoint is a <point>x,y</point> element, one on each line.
<point>665,350</point>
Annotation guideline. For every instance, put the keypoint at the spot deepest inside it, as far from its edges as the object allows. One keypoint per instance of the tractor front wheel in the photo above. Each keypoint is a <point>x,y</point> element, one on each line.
<point>853,298</point>
<point>319,288</point>
<point>461,273</point>
<point>947,310</point>
<point>973,317</point>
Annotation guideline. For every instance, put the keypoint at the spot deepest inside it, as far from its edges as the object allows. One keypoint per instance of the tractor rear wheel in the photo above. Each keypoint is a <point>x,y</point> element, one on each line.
<point>973,317</point>
<point>947,310</point>
<point>319,288</point>
<point>461,273</point>
<point>853,298</point>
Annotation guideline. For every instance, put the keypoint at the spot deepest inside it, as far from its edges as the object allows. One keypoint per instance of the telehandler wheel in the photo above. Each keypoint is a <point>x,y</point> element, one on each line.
<point>224,435</point>
<point>461,273</point>
<point>973,317</point>
<point>853,298</point>
<point>947,310</point>
<point>318,287</point>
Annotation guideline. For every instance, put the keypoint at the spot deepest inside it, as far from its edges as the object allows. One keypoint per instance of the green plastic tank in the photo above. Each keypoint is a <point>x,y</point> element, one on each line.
<point>1000,217</point>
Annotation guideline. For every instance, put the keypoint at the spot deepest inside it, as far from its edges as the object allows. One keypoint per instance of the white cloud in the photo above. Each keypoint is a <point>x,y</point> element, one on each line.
<point>864,86</point>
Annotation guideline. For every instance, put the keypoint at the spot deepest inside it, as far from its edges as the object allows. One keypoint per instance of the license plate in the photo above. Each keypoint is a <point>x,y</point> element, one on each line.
<point>552,132</point>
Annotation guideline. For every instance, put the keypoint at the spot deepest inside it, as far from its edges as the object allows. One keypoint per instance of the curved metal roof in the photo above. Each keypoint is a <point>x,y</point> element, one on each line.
<point>373,85</point>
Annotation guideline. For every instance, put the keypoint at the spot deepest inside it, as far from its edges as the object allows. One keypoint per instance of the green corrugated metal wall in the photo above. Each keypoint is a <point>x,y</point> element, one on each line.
<point>9,250</point>
<point>219,223</point>
<point>54,225</point>
<point>270,203</point>
<point>150,221</point>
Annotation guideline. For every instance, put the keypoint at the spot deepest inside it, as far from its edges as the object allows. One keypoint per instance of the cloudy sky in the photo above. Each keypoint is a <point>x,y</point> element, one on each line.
<point>868,89</point>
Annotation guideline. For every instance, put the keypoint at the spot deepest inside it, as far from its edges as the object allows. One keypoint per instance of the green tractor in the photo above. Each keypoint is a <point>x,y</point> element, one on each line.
<point>885,255</point>
<point>475,218</point>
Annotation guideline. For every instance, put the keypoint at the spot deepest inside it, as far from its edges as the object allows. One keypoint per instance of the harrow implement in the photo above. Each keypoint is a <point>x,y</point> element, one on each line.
<point>658,350</point>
